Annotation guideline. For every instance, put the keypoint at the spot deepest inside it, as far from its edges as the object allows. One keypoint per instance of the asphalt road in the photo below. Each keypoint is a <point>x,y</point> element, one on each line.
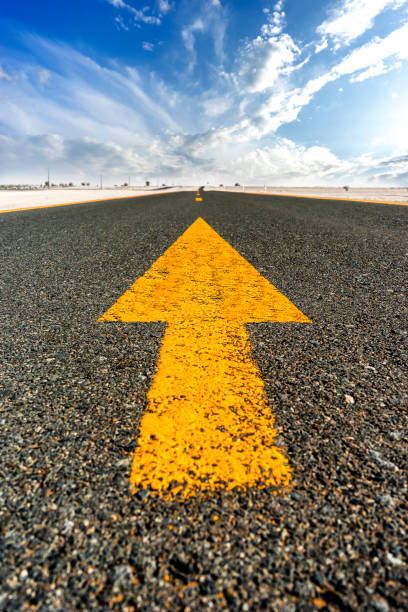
<point>73,392</point>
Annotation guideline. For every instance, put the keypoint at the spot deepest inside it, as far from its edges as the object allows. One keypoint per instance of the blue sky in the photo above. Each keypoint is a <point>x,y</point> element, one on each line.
<point>286,92</point>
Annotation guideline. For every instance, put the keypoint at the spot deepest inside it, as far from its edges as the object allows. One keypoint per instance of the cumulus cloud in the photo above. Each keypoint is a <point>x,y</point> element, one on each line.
<point>267,58</point>
<point>109,118</point>
<point>365,61</point>
<point>288,163</point>
<point>351,18</point>
<point>270,55</point>
<point>281,163</point>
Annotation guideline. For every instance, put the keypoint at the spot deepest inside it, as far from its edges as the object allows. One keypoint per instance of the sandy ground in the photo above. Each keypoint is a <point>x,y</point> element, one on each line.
<point>12,200</point>
<point>378,194</point>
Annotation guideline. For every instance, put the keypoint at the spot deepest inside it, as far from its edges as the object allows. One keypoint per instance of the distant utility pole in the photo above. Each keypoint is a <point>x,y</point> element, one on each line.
<point>101,181</point>
<point>129,181</point>
<point>48,178</point>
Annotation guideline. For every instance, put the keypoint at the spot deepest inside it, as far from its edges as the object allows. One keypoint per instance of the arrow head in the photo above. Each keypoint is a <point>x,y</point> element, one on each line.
<point>203,278</point>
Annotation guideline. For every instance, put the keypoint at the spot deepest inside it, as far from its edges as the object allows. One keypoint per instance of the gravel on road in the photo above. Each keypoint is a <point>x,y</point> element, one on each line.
<point>73,392</point>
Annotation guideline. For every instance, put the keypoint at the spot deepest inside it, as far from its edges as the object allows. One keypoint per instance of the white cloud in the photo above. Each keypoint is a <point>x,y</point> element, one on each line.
<point>284,107</point>
<point>281,163</point>
<point>118,3</point>
<point>164,6</point>
<point>86,99</point>
<point>375,51</point>
<point>138,14</point>
<point>373,71</point>
<point>120,24</point>
<point>188,35</point>
<point>211,19</point>
<point>142,16</point>
<point>267,60</point>
<point>351,18</point>
<point>321,46</point>
<point>269,56</point>
<point>113,119</point>
<point>288,164</point>
<point>213,107</point>
<point>4,75</point>
<point>44,76</point>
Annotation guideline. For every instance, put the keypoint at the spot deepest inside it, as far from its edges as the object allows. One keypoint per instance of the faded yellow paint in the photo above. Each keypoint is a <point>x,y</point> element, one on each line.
<point>208,424</point>
<point>199,199</point>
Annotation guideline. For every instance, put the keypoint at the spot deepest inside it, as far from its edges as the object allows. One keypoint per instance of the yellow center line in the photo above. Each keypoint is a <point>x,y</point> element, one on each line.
<point>308,197</point>
<point>208,424</point>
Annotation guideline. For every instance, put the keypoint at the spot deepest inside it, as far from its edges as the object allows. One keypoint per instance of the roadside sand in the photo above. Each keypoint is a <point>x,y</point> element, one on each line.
<point>13,200</point>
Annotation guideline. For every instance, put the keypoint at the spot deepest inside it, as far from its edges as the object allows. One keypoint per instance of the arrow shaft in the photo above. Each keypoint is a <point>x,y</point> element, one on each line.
<point>208,423</point>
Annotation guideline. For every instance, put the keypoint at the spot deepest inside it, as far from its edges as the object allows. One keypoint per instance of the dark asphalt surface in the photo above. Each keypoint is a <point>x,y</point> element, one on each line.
<point>73,392</point>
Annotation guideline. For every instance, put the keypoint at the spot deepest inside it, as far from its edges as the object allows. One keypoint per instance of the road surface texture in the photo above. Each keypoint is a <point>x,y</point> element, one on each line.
<point>73,393</point>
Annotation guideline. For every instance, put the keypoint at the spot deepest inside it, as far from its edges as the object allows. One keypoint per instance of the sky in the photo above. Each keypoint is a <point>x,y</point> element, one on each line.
<point>282,93</point>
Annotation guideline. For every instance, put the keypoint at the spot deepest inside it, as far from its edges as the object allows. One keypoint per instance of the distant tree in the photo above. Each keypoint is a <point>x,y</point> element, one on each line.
<point>237,185</point>
<point>125,184</point>
<point>346,187</point>
<point>147,183</point>
<point>70,184</point>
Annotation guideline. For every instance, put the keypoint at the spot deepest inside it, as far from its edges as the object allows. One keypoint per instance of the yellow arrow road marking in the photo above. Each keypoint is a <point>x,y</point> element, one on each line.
<point>208,424</point>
